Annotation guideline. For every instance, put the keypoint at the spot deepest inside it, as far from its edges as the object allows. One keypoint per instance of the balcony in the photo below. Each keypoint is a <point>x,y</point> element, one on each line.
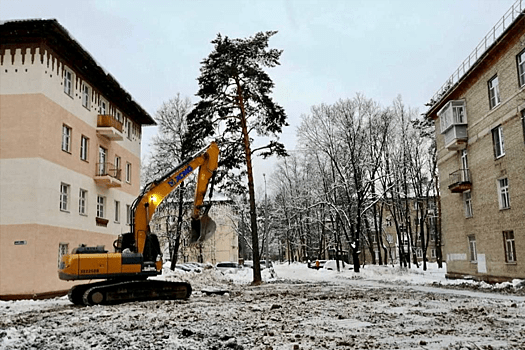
<point>109,127</point>
<point>453,122</point>
<point>107,175</point>
<point>460,181</point>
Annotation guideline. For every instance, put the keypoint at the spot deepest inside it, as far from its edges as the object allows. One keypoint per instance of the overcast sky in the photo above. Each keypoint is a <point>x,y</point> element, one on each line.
<point>333,49</point>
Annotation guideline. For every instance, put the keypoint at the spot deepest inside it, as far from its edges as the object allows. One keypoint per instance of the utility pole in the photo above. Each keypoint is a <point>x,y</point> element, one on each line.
<point>266,224</point>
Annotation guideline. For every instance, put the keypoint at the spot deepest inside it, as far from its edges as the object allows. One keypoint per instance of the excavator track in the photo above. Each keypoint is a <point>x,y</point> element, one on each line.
<point>117,292</point>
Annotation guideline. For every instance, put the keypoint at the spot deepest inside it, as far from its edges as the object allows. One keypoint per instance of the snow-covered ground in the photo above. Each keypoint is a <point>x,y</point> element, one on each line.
<point>382,307</point>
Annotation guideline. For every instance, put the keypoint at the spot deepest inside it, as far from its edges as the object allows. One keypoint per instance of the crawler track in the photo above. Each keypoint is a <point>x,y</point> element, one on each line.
<point>117,292</point>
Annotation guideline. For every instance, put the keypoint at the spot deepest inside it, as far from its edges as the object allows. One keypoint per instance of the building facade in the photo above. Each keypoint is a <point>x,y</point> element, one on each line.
<point>70,140</point>
<point>480,132</point>
<point>222,246</point>
<point>405,235</point>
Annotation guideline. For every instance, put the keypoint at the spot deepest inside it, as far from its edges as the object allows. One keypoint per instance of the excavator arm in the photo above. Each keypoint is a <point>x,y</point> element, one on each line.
<point>143,208</point>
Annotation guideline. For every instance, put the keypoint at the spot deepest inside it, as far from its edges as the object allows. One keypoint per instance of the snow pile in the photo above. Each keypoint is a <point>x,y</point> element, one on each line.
<point>301,273</point>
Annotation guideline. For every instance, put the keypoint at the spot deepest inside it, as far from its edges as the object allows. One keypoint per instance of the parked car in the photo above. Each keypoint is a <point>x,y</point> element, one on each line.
<point>332,265</point>
<point>228,267</point>
<point>249,263</point>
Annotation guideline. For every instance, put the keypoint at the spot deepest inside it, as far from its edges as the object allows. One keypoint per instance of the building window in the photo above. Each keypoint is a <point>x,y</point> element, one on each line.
<point>82,202</point>
<point>523,123</point>
<point>117,211</point>
<point>68,82</point>
<point>63,249</point>
<point>66,138</point>
<point>419,253</point>
<point>433,253</point>
<point>503,191</point>
<point>128,172</point>
<point>497,141</point>
<point>128,214</point>
<point>521,67</point>
<point>129,130</point>
<point>102,158</point>
<point>86,95</point>
<point>472,248</point>
<point>64,196</point>
<point>102,107</point>
<point>101,202</point>
<point>84,146</point>
<point>494,92</point>
<point>118,116</point>
<point>467,200</point>
<point>510,247</point>
<point>117,167</point>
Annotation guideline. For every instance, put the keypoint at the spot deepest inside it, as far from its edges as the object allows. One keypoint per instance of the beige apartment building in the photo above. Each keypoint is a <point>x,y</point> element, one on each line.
<point>70,140</point>
<point>480,131</point>
<point>222,246</point>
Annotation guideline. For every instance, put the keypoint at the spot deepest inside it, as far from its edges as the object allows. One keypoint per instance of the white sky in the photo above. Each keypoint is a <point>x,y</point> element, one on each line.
<point>333,49</point>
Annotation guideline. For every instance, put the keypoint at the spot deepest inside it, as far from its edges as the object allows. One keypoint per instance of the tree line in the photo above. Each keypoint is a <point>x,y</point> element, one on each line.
<point>355,162</point>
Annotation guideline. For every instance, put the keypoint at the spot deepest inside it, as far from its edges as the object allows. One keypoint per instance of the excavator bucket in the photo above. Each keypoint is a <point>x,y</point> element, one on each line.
<point>202,229</point>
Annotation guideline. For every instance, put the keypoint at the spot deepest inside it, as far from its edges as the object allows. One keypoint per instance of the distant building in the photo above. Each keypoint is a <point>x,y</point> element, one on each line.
<point>222,246</point>
<point>406,231</point>
<point>480,131</point>
<point>70,154</point>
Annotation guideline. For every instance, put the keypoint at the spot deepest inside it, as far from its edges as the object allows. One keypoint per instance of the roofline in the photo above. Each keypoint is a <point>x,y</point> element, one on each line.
<point>436,106</point>
<point>51,34</point>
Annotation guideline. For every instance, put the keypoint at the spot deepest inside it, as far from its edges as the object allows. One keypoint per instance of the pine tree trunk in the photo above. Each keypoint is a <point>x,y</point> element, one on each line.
<point>251,189</point>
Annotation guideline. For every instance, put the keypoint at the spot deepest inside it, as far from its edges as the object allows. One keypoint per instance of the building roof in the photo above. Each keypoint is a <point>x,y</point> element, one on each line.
<point>50,33</point>
<point>513,19</point>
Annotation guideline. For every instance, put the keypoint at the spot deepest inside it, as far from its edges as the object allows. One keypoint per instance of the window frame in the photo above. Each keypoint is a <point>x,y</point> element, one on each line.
<point>63,249</point>
<point>102,164</point>
<point>67,136</point>
<point>128,214</point>
<point>509,246</point>
<point>82,202</point>
<point>86,96</point>
<point>117,211</point>
<point>128,129</point>
<point>65,194</point>
<point>473,252</point>
<point>102,106</point>
<point>467,202</point>
<point>84,148</point>
<point>101,203</point>
<point>498,142</point>
<point>128,172</point>
<point>503,193</point>
<point>494,92</point>
<point>68,82</point>
<point>523,123</point>
<point>521,68</point>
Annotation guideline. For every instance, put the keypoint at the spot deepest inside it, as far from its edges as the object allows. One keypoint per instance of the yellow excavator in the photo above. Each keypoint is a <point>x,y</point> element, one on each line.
<point>137,254</point>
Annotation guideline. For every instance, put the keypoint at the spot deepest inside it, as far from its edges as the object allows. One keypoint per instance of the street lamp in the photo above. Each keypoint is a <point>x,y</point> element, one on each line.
<point>266,223</point>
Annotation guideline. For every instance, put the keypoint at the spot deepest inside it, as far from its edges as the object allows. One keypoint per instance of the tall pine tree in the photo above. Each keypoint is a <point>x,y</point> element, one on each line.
<point>235,102</point>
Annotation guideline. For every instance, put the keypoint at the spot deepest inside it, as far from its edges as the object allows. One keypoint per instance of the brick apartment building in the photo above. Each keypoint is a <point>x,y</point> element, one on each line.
<point>69,154</point>
<point>480,131</point>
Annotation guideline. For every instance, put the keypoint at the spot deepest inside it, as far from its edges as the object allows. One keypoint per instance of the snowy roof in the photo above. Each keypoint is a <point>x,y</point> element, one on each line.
<point>48,32</point>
